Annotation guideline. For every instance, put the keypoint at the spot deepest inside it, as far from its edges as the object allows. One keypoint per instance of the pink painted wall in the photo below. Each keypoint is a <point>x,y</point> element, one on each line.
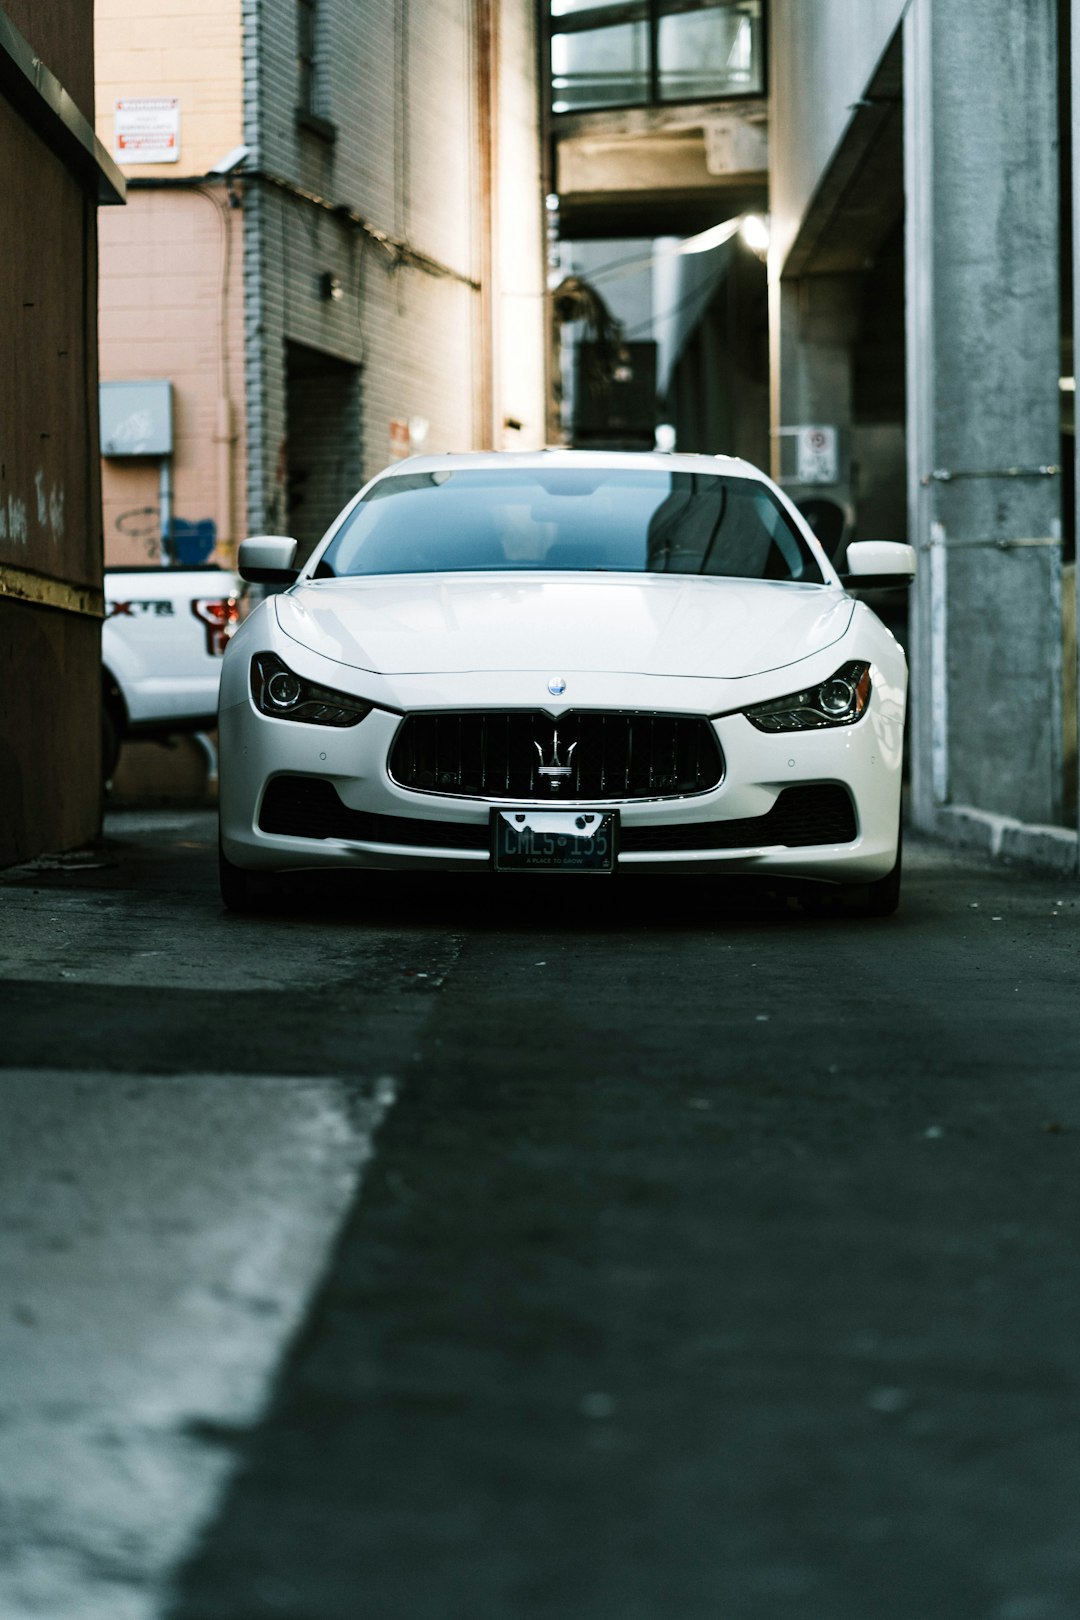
<point>171,306</point>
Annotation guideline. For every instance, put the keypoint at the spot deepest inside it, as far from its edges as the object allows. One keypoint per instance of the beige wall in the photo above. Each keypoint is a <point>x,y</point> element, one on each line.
<point>171,306</point>
<point>821,59</point>
<point>520,327</point>
<point>191,49</point>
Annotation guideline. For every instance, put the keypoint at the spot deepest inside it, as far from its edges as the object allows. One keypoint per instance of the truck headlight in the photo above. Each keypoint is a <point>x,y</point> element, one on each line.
<point>279,692</point>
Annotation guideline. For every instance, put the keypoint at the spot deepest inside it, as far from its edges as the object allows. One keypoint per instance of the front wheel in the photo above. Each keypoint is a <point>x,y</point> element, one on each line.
<point>881,899</point>
<point>877,899</point>
<point>236,884</point>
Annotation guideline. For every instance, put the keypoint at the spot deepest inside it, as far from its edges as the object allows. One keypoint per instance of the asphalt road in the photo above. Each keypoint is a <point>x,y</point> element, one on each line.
<point>562,1251</point>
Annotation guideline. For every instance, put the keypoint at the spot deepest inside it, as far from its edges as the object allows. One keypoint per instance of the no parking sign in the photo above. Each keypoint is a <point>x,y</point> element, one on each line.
<point>817,461</point>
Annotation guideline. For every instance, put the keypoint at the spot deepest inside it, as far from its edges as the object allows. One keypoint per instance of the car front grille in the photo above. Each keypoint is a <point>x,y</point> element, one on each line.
<point>309,807</point>
<point>526,755</point>
<point>819,814</point>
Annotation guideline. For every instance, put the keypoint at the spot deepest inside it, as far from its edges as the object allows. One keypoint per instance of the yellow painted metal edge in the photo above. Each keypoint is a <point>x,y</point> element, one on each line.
<point>37,590</point>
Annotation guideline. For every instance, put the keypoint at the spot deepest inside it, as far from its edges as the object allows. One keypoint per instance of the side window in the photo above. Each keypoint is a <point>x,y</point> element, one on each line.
<point>755,541</point>
<point>312,89</point>
<point>306,65</point>
<point>787,559</point>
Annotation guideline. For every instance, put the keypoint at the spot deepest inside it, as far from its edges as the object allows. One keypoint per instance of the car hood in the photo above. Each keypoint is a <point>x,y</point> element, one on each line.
<point>640,624</point>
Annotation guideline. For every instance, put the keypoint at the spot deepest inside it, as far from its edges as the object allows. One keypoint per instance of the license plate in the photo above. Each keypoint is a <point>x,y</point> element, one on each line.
<point>554,840</point>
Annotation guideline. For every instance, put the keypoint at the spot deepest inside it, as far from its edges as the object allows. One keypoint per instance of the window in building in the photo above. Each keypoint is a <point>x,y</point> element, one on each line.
<point>633,53</point>
<point>309,91</point>
<point>305,56</point>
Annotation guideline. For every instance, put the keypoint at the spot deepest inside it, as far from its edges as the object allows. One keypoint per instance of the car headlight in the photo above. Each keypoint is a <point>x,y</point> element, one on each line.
<point>279,692</point>
<point>839,701</point>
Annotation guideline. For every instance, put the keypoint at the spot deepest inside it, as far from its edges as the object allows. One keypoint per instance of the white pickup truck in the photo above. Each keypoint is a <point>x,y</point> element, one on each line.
<point>161,644</point>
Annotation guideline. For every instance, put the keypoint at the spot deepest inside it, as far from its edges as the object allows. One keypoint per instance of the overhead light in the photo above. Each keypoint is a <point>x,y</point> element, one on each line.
<point>756,234</point>
<point>714,237</point>
<point>753,228</point>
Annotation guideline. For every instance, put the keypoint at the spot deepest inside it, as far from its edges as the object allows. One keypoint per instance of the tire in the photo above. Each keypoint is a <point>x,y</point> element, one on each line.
<point>881,898</point>
<point>236,885</point>
<point>110,741</point>
<point>877,899</point>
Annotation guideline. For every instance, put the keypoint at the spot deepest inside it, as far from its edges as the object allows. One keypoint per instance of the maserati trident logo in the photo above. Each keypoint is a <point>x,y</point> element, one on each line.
<point>557,686</point>
<point>555,771</point>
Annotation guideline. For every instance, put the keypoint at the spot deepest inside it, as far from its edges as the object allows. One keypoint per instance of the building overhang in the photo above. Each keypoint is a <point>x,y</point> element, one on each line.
<point>860,197</point>
<point>40,98</point>
<point>657,171</point>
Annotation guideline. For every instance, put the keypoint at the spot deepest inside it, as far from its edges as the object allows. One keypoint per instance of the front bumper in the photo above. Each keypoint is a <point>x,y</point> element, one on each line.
<point>864,759</point>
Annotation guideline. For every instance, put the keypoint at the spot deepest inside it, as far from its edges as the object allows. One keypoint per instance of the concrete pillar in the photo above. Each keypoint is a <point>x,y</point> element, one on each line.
<point>981,188</point>
<point>1071,594</point>
<point>814,323</point>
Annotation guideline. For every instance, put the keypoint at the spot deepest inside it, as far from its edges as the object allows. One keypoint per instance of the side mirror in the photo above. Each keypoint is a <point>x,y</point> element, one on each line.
<point>268,559</point>
<point>878,565</point>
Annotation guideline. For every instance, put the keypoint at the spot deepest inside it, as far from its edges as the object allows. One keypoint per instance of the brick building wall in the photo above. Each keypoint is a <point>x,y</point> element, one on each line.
<point>376,194</point>
<point>393,145</point>
<point>172,271</point>
<point>171,307</point>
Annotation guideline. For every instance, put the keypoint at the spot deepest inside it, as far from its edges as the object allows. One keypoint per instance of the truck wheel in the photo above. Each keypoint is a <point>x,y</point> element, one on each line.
<point>236,885</point>
<point>110,742</point>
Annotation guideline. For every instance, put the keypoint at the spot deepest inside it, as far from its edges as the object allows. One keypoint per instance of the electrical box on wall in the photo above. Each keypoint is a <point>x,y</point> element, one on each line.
<point>136,418</point>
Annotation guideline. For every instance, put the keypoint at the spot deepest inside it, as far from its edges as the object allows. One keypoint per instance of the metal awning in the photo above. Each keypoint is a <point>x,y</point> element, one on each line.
<point>41,99</point>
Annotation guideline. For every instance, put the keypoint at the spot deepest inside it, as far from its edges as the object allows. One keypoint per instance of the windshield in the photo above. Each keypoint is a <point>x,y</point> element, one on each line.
<point>570,519</point>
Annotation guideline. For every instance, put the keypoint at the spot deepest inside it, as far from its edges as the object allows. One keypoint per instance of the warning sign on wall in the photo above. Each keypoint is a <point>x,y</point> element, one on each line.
<point>147,129</point>
<point>818,462</point>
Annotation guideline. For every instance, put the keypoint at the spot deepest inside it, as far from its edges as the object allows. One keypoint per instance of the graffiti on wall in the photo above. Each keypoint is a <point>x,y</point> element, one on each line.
<point>190,541</point>
<point>47,505</point>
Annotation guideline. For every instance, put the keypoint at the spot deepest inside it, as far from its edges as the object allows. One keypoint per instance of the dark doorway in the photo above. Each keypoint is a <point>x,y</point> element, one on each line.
<point>323,461</point>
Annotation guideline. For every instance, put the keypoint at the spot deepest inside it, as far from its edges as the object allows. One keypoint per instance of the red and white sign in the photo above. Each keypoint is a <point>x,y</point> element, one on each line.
<point>818,461</point>
<point>400,439</point>
<point>147,130</point>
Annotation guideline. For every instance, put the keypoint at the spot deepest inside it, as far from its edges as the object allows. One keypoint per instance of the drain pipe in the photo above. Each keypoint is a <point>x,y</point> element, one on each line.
<point>486,44</point>
<point>165,509</point>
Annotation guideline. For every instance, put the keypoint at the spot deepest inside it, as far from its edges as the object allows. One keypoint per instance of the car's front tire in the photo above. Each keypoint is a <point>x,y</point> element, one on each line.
<point>881,899</point>
<point>877,899</point>
<point>237,889</point>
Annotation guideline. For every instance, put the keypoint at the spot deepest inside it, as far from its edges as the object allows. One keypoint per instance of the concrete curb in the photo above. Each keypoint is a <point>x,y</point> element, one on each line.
<point>1054,849</point>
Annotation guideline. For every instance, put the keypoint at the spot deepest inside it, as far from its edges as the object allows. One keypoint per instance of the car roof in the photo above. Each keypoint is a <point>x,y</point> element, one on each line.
<point>636,460</point>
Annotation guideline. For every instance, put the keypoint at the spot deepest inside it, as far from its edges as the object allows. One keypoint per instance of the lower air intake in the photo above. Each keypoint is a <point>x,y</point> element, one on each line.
<point>801,816</point>
<point>309,807</point>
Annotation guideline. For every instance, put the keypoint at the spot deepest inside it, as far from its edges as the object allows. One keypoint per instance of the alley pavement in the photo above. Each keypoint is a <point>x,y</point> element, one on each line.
<point>429,1249</point>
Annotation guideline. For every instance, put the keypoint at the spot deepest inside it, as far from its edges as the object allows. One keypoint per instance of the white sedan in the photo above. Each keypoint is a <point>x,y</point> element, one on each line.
<point>566,662</point>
